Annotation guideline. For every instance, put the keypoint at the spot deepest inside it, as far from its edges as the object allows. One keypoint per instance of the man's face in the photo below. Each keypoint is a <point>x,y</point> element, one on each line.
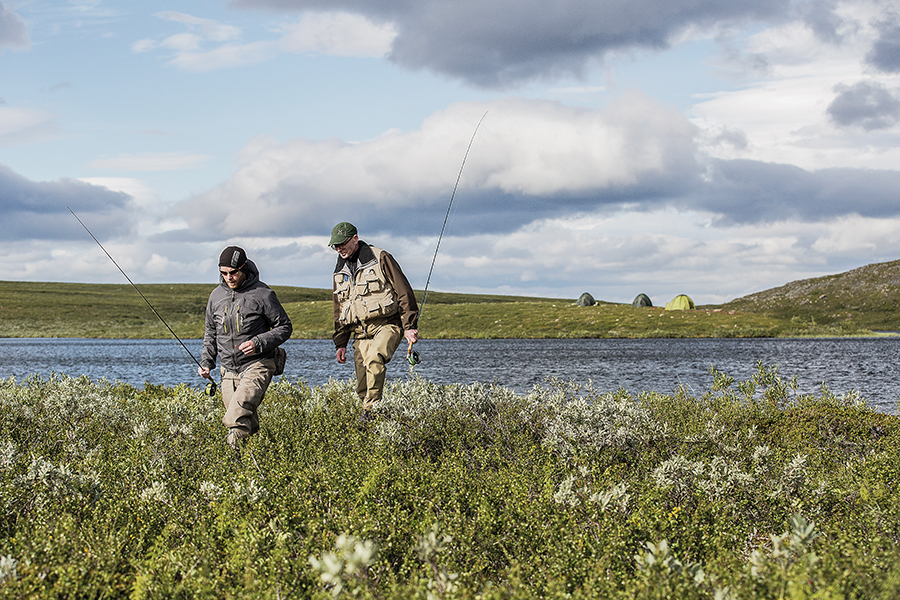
<point>348,248</point>
<point>233,277</point>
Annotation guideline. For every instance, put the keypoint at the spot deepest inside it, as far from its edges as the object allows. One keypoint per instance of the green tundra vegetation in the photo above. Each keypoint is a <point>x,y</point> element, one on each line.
<point>747,491</point>
<point>866,297</point>
<point>854,303</point>
<point>750,490</point>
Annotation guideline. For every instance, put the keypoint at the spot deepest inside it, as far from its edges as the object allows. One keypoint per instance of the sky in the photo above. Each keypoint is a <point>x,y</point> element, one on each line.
<point>713,148</point>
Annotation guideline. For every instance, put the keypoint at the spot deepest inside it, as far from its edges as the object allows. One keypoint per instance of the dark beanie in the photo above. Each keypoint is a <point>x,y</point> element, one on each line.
<point>233,256</point>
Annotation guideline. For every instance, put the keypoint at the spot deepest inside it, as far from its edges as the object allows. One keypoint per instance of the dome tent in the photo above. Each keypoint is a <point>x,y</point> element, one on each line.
<point>680,302</point>
<point>585,300</point>
<point>641,300</point>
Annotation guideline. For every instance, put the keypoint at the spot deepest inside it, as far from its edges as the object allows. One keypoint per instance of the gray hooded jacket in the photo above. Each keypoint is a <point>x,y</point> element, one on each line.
<point>251,312</point>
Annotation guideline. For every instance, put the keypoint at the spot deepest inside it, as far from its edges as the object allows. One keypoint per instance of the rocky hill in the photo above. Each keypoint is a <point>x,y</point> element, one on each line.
<point>866,297</point>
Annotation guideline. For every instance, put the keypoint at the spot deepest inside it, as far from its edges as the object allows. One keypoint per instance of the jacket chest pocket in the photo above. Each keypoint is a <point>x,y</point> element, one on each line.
<point>221,313</point>
<point>251,318</point>
<point>252,322</point>
<point>230,318</point>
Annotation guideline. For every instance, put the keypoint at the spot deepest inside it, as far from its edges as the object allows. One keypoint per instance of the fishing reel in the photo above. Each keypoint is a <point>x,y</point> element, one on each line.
<point>211,388</point>
<point>413,357</point>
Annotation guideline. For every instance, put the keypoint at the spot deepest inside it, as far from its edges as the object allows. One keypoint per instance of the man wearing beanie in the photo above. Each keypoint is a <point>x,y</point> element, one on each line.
<point>245,325</point>
<point>373,303</point>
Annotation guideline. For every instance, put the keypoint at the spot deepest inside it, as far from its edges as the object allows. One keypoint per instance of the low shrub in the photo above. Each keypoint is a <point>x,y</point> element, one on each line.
<point>749,490</point>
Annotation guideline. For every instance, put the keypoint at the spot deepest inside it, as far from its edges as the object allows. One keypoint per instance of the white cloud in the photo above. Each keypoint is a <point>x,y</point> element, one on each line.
<point>200,31</point>
<point>782,115</point>
<point>525,150</point>
<point>661,253</point>
<point>192,50</point>
<point>225,56</point>
<point>183,42</point>
<point>26,125</point>
<point>541,148</point>
<point>613,256</point>
<point>209,45</point>
<point>859,236</point>
<point>13,120</point>
<point>144,45</point>
<point>86,262</point>
<point>158,266</point>
<point>151,215</point>
<point>142,194</point>
<point>337,34</point>
<point>207,29</point>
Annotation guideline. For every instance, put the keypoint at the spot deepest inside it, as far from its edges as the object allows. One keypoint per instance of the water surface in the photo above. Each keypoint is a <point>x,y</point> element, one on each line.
<point>867,365</point>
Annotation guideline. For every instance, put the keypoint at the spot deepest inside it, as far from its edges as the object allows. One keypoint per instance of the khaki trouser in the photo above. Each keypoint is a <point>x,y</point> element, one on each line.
<point>370,355</point>
<point>242,393</point>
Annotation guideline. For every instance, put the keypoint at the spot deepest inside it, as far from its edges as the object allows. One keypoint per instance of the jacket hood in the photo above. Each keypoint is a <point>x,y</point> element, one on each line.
<point>252,276</point>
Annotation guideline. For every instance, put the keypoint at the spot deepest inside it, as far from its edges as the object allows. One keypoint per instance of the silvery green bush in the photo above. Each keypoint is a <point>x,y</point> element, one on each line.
<point>452,491</point>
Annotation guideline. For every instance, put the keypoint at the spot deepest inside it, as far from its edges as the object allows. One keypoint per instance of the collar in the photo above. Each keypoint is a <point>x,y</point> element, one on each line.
<point>362,256</point>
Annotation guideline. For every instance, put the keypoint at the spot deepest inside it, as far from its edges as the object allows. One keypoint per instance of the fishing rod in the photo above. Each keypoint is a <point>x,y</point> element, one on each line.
<point>211,388</point>
<point>411,355</point>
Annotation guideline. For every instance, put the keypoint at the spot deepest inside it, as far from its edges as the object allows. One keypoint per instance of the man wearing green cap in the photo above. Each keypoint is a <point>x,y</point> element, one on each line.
<point>373,303</point>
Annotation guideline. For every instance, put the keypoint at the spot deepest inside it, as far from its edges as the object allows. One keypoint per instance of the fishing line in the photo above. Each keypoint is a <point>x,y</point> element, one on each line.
<point>211,388</point>
<point>411,356</point>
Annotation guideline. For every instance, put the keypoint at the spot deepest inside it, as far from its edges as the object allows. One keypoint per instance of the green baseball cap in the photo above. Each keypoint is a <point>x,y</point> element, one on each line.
<point>341,233</point>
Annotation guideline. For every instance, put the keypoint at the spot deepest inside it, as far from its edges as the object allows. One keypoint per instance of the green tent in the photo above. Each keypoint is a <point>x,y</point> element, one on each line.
<point>585,300</point>
<point>680,302</point>
<point>641,300</point>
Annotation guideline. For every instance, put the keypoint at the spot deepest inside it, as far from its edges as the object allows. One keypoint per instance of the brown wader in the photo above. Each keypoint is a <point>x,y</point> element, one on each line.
<point>242,393</point>
<point>372,350</point>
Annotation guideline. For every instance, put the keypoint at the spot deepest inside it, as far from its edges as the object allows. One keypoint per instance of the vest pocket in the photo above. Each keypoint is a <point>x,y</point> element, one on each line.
<point>341,287</point>
<point>381,305</point>
<point>370,283</point>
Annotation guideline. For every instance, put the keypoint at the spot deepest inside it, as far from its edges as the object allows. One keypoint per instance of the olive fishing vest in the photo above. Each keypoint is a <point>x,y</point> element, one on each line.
<point>367,296</point>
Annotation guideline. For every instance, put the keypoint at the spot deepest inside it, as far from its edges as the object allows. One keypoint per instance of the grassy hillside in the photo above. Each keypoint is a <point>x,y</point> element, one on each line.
<point>867,297</point>
<point>562,319</point>
<point>852,303</point>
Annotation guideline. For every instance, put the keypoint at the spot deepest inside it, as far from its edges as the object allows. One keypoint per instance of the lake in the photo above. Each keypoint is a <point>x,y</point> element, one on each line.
<point>868,365</point>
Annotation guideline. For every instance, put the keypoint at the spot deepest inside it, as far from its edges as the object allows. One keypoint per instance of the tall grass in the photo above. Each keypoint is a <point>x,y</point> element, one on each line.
<point>749,490</point>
